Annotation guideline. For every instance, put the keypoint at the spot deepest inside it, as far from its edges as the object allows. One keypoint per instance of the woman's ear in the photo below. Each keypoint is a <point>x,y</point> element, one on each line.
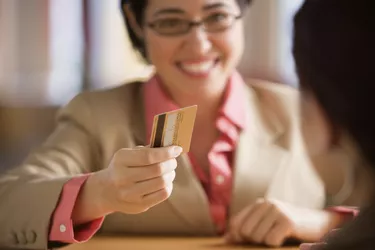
<point>135,26</point>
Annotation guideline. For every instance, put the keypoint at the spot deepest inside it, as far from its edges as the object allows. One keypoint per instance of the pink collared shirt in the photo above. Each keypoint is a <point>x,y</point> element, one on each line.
<point>231,119</point>
<point>218,184</point>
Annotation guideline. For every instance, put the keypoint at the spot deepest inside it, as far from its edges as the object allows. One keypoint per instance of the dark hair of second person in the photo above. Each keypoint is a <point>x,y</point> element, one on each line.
<point>334,53</point>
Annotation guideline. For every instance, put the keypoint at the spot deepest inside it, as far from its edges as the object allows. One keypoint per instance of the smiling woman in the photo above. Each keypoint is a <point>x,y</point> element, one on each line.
<point>241,178</point>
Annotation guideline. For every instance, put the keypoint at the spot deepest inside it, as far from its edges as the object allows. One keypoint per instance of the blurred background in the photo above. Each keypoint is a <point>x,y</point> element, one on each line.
<point>50,50</point>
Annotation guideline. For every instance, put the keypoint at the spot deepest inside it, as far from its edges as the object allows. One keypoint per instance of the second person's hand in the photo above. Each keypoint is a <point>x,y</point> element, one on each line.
<point>272,222</point>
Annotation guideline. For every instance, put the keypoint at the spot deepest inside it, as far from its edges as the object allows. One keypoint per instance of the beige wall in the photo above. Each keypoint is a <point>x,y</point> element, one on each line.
<point>41,51</point>
<point>268,32</point>
<point>112,58</point>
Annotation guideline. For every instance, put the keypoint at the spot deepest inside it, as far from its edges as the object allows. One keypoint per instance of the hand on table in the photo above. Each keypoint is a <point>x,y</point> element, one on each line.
<point>272,222</point>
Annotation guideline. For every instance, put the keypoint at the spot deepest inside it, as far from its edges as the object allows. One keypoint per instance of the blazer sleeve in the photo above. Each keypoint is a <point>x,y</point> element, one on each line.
<point>30,192</point>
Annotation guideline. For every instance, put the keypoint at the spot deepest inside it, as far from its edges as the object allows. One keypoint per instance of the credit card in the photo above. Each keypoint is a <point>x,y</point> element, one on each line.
<point>174,128</point>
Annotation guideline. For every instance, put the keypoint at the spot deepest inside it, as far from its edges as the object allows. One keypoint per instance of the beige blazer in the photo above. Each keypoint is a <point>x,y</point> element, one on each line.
<point>270,162</point>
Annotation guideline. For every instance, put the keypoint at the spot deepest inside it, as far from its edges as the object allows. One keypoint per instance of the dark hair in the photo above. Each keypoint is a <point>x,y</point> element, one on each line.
<point>334,54</point>
<point>138,7</point>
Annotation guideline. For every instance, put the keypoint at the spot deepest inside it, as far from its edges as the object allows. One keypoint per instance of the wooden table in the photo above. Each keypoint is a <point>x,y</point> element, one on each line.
<point>162,243</point>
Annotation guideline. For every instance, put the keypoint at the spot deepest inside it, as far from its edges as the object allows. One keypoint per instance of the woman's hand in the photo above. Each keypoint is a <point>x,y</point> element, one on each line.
<point>272,222</point>
<point>136,180</point>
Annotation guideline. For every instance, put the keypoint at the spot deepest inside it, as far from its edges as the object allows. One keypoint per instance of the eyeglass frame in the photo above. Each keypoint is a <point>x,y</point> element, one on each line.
<point>192,24</point>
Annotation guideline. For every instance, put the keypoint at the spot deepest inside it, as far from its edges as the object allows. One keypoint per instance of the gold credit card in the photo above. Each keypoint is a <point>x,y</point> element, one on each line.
<point>174,128</point>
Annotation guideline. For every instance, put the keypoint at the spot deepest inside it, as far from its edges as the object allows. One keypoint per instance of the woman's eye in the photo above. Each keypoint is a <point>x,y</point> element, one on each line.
<point>169,23</point>
<point>216,18</point>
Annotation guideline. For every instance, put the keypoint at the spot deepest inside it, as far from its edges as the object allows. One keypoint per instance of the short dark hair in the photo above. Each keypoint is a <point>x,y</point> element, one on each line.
<point>334,51</point>
<point>138,7</point>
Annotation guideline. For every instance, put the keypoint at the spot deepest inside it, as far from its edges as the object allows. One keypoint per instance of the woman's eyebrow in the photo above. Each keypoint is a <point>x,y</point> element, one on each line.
<point>180,11</point>
<point>168,11</point>
<point>215,6</point>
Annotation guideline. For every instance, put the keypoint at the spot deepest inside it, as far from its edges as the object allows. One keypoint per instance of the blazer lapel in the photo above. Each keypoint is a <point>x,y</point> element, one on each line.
<point>271,163</point>
<point>189,198</point>
<point>258,155</point>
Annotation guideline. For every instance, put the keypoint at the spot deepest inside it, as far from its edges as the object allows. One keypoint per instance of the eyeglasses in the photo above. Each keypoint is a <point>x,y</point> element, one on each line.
<point>177,26</point>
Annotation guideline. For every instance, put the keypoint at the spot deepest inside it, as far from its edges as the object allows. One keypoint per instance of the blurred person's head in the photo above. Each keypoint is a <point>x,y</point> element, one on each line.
<point>186,56</point>
<point>334,50</point>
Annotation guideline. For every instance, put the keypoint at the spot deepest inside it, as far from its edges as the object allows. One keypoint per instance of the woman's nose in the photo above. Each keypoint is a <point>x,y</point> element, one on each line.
<point>198,41</point>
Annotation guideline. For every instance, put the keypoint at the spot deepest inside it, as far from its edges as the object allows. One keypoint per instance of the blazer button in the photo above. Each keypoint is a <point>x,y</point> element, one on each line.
<point>31,237</point>
<point>12,238</point>
<point>21,238</point>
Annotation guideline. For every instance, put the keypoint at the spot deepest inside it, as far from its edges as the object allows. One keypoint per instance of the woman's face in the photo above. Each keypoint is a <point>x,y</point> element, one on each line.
<point>317,133</point>
<point>197,59</point>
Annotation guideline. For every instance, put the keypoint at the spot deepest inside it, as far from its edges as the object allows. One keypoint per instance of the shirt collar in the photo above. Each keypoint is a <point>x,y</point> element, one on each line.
<point>157,101</point>
<point>234,104</point>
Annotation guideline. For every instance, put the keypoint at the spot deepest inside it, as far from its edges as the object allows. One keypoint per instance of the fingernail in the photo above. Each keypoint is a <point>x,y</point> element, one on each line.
<point>305,246</point>
<point>311,246</point>
<point>177,150</point>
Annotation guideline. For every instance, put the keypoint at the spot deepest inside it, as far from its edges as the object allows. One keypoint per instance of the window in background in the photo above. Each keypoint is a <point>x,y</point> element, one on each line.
<point>111,59</point>
<point>41,44</point>
<point>41,68</point>
<point>8,49</point>
<point>268,26</point>
<point>288,8</point>
<point>66,50</point>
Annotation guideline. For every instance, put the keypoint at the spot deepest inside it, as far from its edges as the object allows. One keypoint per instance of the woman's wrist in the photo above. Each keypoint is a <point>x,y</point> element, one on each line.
<point>90,203</point>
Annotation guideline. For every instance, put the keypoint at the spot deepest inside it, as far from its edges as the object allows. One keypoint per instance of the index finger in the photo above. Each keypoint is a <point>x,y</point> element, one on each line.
<point>236,223</point>
<point>144,156</point>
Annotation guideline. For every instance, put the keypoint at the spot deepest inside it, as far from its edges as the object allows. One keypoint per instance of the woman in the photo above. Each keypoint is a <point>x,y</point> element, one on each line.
<point>246,176</point>
<point>334,51</point>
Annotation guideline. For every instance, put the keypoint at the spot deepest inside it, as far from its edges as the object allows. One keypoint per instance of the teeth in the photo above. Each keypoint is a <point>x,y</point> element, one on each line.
<point>198,68</point>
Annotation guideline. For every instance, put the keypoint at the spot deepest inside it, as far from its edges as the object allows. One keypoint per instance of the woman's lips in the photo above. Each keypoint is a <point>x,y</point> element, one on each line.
<point>198,68</point>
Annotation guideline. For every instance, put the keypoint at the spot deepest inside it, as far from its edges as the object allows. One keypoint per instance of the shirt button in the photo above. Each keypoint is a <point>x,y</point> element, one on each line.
<point>220,179</point>
<point>62,228</point>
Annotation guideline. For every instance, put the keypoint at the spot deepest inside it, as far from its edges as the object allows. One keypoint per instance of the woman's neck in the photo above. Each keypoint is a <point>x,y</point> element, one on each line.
<point>208,102</point>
